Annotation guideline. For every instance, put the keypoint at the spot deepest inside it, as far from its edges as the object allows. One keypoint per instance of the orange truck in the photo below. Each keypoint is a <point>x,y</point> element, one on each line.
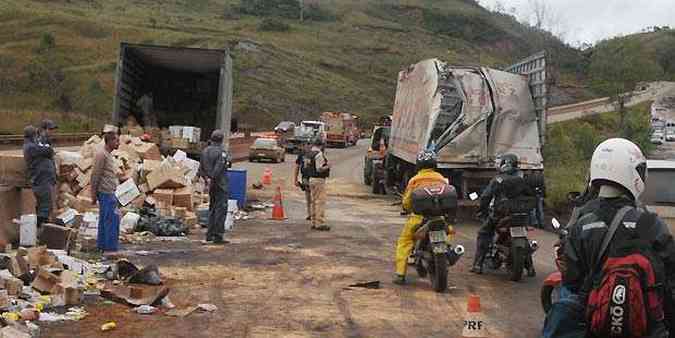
<point>341,129</point>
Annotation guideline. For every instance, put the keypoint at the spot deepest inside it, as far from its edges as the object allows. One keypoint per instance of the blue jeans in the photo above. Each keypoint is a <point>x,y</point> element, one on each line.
<point>566,317</point>
<point>108,222</point>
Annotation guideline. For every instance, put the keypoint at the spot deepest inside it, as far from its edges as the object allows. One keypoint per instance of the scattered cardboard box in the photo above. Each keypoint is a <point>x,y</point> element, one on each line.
<point>127,192</point>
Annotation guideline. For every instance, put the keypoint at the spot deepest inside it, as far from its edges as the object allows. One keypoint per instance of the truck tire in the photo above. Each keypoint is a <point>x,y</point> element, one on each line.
<point>378,189</point>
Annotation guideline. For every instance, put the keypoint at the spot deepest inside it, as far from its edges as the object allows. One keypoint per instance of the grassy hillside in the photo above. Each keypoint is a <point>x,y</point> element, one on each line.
<point>60,55</point>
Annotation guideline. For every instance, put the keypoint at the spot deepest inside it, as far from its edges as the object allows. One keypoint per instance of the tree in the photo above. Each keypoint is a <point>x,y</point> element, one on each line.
<point>617,66</point>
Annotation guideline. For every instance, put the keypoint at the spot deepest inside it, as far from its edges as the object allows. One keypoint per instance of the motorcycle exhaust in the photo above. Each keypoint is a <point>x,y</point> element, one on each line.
<point>455,254</point>
<point>534,245</point>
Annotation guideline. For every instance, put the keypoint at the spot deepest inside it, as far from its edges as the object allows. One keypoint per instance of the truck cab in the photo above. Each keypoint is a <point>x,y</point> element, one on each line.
<point>305,132</point>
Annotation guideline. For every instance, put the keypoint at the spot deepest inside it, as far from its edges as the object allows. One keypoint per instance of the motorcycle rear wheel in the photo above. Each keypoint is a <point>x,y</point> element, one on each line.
<point>517,263</point>
<point>547,297</point>
<point>439,273</point>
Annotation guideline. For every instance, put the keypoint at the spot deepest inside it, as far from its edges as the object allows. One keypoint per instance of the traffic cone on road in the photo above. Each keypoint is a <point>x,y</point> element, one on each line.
<point>474,323</point>
<point>278,213</point>
<point>267,177</point>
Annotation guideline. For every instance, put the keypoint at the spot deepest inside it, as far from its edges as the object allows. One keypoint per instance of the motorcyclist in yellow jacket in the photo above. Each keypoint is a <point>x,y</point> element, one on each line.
<point>427,175</point>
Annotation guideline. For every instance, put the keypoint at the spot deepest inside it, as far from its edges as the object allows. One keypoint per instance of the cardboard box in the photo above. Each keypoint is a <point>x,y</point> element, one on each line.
<point>183,198</point>
<point>180,143</point>
<point>179,212</point>
<point>10,208</point>
<point>163,196</point>
<point>85,164</point>
<point>151,165</point>
<point>46,282</point>
<point>27,201</point>
<point>166,177</point>
<point>148,151</point>
<point>56,237</point>
<point>127,192</point>
<point>83,180</point>
<point>13,170</point>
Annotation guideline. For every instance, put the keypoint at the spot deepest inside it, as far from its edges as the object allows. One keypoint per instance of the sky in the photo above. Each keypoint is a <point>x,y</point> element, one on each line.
<point>593,20</point>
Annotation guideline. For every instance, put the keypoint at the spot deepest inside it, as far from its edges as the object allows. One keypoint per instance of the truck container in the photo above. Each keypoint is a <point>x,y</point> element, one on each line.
<point>470,115</point>
<point>188,86</point>
<point>341,129</point>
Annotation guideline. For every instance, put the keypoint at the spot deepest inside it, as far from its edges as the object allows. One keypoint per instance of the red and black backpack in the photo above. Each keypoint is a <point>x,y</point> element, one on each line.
<point>626,295</point>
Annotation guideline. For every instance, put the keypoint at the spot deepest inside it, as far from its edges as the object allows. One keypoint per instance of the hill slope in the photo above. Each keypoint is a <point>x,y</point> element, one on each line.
<point>61,55</point>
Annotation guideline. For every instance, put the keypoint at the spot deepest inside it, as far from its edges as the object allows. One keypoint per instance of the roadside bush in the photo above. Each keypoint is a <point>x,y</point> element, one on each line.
<point>317,13</point>
<point>289,9</point>
<point>273,25</point>
<point>47,42</point>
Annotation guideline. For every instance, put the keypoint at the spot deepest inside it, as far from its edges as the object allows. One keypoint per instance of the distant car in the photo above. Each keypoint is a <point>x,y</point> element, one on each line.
<point>285,127</point>
<point>657,138</point>
<point>670,131</point>
<point>267,148</point>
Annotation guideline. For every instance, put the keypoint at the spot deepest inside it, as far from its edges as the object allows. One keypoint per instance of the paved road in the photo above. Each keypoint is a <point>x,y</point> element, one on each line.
<point>279,279</point>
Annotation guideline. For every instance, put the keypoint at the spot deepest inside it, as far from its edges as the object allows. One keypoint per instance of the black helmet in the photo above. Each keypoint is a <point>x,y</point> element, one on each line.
<point>507,163</point>
<point>427,159</point>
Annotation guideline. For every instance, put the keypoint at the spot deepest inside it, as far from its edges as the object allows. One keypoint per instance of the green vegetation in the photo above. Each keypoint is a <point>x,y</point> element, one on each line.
<point>570,146</point>
<point>344,56</point>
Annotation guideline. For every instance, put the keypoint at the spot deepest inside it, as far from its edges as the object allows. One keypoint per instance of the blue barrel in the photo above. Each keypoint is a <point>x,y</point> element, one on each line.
<point>237,186</point>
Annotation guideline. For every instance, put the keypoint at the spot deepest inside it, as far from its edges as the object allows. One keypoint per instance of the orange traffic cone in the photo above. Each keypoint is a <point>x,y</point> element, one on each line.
<point>267,177</point>
<point>278,213</point>
<point>474,323</point>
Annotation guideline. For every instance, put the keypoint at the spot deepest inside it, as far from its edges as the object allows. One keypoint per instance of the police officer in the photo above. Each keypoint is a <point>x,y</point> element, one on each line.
<point>213,167</point>
<point>302,171</point>
<point>318,170</point>
<point>47,128</point>
<point>617,177</point>
<point>39,159</point>
<point>508,184</point>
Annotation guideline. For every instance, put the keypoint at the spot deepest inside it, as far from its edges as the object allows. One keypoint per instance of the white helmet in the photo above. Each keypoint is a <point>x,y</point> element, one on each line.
<point>620,161</point>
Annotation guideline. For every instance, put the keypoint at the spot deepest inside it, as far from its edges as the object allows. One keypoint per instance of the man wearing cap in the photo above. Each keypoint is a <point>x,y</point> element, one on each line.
<point>47,129</point>
<point>213,168</point>
<point>39,159</point>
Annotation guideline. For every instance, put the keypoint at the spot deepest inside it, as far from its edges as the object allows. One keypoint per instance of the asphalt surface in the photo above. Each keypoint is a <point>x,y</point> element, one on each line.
<point>280,279</point>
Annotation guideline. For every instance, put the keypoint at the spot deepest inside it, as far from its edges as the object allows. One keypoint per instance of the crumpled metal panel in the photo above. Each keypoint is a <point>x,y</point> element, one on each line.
<point>455,107</point>
<point>515,126</point>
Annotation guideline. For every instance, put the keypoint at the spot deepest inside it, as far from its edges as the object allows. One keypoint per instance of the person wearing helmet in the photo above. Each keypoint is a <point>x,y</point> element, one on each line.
<point>426,174</point>
<point>317,169</point>
<point>508,184</point>
<point>613,224</point>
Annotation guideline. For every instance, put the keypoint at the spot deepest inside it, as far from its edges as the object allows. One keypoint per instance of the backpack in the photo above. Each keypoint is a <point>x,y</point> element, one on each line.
<point>626,297</point>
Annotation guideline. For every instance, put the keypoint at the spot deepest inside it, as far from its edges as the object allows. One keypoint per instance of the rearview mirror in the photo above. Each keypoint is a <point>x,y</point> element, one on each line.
<point>473,196</point>
<point>555,223</point>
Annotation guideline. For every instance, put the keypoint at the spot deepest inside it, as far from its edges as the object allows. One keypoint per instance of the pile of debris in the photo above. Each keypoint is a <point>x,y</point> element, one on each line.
<point>38,284</point>
<point>167,185</point>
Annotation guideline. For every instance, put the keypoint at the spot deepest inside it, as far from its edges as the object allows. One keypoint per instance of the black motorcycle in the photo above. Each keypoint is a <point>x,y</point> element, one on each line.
<point>511,247</point>
<point>433,254</point>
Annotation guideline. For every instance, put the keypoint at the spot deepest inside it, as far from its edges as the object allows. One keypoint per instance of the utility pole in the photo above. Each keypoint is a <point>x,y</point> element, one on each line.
<point>302,10</point>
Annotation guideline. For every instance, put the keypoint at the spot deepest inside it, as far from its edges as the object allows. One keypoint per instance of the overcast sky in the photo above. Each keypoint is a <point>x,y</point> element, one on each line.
<point>592,20</point>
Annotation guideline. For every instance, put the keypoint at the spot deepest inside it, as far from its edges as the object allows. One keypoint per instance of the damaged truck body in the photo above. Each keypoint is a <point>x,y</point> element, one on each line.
<point>470,115</point>
<point>188,86</point>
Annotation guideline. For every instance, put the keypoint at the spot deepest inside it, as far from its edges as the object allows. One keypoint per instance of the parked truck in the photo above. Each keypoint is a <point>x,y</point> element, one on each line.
<point>303,133</point>
<point>470,115</point>
<point>185,86</point>
<point>341,129</point>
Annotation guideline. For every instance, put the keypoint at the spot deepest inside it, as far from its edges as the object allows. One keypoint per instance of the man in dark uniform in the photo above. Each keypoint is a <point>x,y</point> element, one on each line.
<point>39,159</point>
<point>213,168</point>
<point>301,171</point>
<point>508,184</point>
